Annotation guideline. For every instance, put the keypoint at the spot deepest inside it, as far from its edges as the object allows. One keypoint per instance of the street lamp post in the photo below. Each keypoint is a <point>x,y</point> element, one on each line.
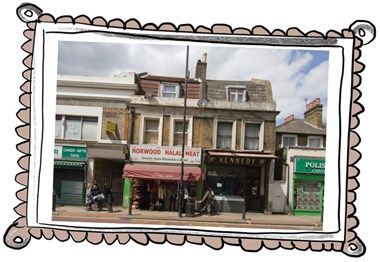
<point>181,188</point>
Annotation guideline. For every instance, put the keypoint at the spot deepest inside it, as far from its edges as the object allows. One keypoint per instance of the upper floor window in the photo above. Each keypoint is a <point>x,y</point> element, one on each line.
<point>178,132</point>
<point>76,127</point>
<point>169,90</point>
<point>251,136</point>
<point>151,131</point>
<point>315,142</point>
<point>289,140</point>
<point>225,135</point>
<point>236,93</point>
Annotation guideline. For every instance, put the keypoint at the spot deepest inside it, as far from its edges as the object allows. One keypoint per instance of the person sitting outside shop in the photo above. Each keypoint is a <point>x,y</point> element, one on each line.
<point>94,191</point>
<point>209,200</point>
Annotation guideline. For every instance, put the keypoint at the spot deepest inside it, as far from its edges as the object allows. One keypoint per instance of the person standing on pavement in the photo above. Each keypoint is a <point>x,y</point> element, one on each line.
<point>108,197</point>
<point>209,201</point>
<point>161,195</point>
<point>153,196</point>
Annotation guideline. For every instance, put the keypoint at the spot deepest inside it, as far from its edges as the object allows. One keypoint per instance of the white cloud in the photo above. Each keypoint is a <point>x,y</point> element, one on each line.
<point>288,70</point>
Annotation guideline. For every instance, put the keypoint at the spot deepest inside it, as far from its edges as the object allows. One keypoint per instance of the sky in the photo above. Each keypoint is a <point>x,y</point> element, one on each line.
<point>297,76</point>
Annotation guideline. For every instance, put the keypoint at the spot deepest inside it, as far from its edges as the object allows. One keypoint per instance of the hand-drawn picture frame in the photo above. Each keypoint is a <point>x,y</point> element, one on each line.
<point>43,34</point>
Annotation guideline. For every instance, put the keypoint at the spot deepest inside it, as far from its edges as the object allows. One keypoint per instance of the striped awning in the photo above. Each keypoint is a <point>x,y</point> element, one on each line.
<point>68,164</point>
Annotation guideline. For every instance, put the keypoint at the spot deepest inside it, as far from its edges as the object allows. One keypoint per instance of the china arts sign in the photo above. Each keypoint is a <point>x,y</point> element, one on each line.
<point>164,154</point>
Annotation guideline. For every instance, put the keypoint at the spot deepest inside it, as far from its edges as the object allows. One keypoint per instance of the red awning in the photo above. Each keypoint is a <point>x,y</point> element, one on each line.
<point>241,154</point>
<point>161,172</point>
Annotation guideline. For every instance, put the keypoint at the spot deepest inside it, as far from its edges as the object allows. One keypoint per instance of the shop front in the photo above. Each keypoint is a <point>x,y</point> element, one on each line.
<point>308,186</point>
<point>152,177</point>
<point>239,179</point>
<point>69,183</point>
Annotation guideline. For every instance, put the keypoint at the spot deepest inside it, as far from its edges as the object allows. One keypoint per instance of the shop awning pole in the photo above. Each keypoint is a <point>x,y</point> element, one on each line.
<point>183,135</point>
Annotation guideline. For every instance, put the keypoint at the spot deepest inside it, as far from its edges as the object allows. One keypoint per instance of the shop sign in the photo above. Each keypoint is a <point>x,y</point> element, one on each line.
<point>164,154</point>
<point>233,160</point>
<point>310,166</point>
<point>78,153</point>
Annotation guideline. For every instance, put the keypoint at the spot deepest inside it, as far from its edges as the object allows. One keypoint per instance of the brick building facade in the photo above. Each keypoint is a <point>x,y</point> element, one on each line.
<point>299,177</point>
<point>91,118</point>
<point>231,122</point>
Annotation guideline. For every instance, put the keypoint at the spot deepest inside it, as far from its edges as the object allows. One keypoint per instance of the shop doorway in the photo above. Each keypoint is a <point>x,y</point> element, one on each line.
<point>109,172</point>
<point>113,179</point>
<point>252,189</point>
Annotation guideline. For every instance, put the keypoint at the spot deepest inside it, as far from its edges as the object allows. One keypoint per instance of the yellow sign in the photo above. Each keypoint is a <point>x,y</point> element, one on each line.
<point>111,127</point>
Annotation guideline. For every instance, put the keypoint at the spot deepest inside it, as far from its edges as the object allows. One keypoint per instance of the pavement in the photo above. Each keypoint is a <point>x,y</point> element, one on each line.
<point>123,215</point>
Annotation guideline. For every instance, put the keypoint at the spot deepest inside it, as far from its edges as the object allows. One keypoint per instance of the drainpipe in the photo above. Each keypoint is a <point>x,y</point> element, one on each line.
<point>287,188</point>
<point>181,189</point>
<point>132,111</point>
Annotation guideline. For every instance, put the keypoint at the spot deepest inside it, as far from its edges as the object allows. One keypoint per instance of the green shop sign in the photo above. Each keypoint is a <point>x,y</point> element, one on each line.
<point>309,165</point>
<point>78,153</point>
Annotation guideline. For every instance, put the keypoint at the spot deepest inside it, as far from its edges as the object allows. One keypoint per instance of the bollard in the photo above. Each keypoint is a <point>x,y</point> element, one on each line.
<point>190,206</point>
<point>54,199</point>
<point>244,210</point>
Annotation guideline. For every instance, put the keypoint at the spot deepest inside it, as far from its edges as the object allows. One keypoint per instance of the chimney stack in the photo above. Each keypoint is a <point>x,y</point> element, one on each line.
<point>200,72</point>
<point>313,113</point>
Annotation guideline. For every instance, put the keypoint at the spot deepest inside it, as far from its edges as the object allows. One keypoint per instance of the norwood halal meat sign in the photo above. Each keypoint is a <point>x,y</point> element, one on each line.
<point>164,154</point>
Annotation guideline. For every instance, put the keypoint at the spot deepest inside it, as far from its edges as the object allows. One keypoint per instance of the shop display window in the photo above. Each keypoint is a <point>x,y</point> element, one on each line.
<point>307,195</point>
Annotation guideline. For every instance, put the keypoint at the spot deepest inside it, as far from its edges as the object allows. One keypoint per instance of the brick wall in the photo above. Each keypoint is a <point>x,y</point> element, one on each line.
<point>117,116</point>
<point>238,135</point>
<point>269,136</point>
<point>166,131</point>
<point>203,130</point>
<point>136,133</point>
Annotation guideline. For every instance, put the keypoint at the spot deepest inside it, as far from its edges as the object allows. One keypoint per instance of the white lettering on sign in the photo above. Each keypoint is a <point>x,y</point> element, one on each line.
<point>314,165</point>
<point>165,154</point>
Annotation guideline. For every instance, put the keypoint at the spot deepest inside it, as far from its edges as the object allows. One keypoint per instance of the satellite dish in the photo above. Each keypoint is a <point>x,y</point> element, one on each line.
<point>148,92</point>
<point>202,102</point>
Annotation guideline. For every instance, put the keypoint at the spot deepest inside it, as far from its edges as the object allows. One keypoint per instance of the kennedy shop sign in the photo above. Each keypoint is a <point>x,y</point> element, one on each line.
<point>309,165</point>
<point>164,154</point>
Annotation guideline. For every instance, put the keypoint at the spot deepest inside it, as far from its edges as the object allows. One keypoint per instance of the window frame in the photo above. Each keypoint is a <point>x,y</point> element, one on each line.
<point>77,111</point>
<point>230,87</point>
<point>289,135</point>
<point>174,119</point>
<point>162,85</point>
<point>233,135</point>
<point>142,129</point>
<point>320,138</point>
<point>261,135</point>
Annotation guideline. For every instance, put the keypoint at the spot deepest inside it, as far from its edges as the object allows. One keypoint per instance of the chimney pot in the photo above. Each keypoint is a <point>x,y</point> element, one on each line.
<point>313,103</point>
<point>289,118</point>
<point>313,113</point>
<point>204,57</point>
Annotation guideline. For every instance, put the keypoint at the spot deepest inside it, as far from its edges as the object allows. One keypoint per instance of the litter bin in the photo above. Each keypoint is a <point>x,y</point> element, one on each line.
<point>190,207</point>
<point>54,201</point>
